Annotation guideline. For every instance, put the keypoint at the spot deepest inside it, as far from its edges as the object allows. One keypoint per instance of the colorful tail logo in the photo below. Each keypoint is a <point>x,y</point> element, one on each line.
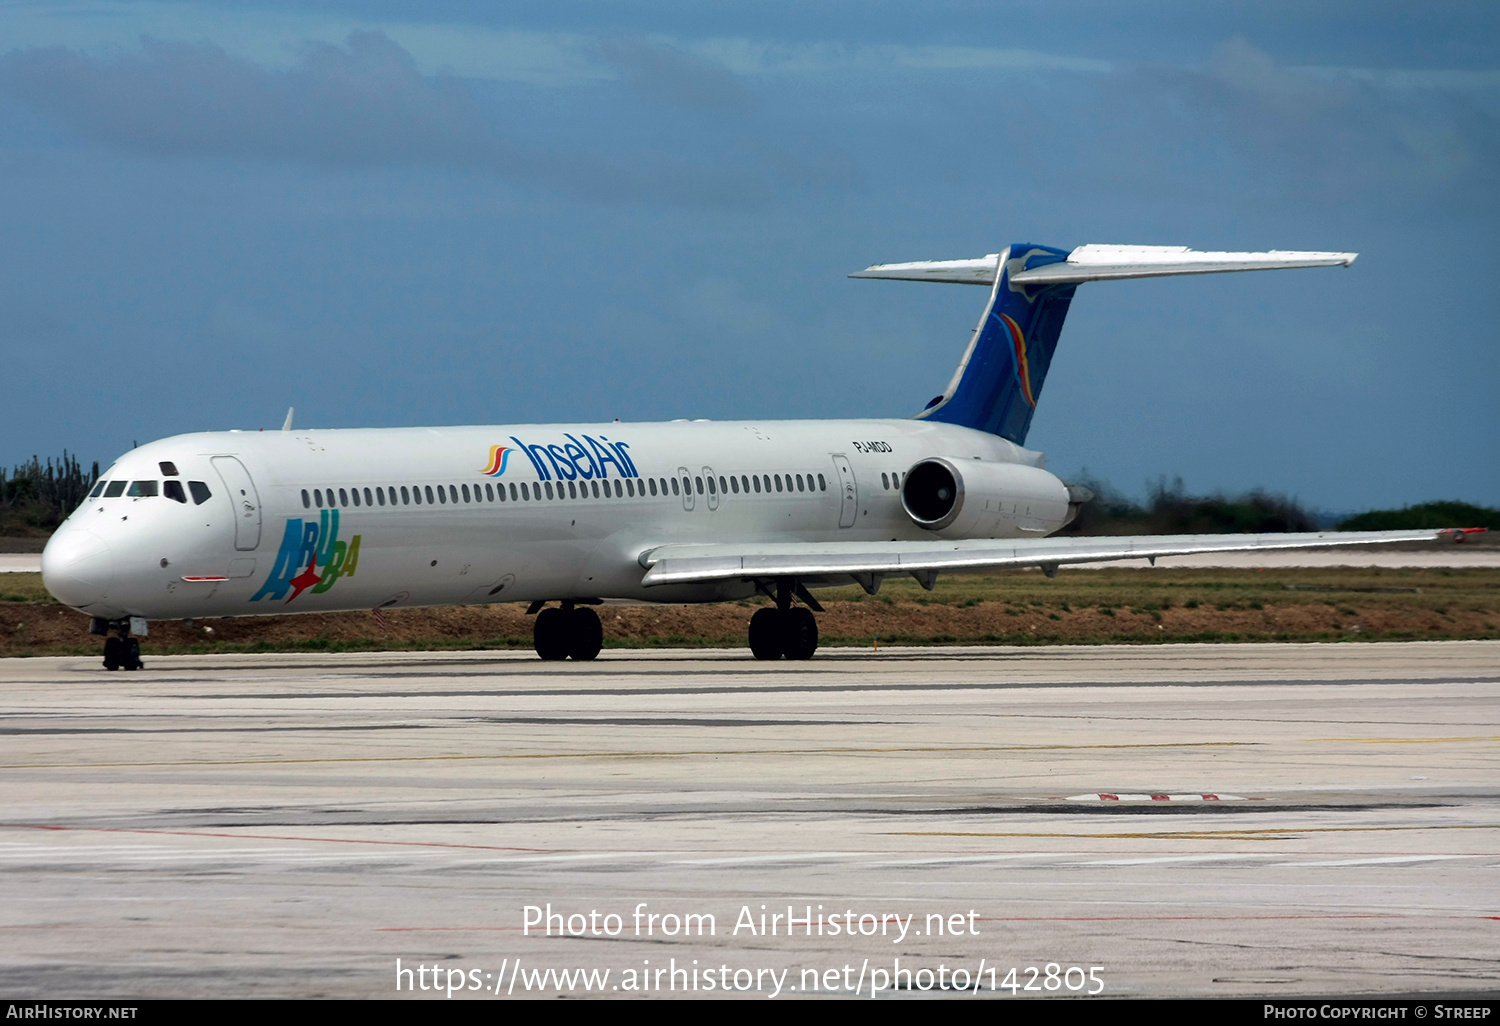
<point>499,457</point>
<point>1023,369</point>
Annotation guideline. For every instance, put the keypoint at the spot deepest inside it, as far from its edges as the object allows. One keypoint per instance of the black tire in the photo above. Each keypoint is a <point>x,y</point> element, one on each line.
<point>550,634</point>
<point>114,653</point>
<point>765,634</point>
<point>585,634</point>
<point>799,634</point>
<point>133,655</point>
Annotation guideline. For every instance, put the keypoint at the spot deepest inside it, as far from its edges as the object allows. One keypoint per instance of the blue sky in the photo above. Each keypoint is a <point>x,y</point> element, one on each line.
<point>402,214</point>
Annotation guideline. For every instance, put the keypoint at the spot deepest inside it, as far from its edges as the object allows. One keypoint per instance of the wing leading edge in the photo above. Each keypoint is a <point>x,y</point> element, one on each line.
<point>686,564</point>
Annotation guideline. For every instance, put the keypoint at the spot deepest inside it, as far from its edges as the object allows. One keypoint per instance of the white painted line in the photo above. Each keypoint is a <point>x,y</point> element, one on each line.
<point>1388,860</point>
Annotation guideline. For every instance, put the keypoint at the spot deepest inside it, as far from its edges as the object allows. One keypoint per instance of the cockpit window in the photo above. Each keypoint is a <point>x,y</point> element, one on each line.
<point>173,490</point>
<point>200,491</point>
<point>168,468</point>
<point>115,488</point>
<point>97,489</point>
<point>142,490</point>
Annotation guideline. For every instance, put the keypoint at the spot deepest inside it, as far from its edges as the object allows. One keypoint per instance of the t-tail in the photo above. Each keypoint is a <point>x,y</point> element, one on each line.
<point>1000,377</point>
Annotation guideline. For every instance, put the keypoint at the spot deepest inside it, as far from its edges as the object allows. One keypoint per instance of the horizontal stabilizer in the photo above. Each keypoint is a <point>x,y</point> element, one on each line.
<point>1102,263</point>
<point>682,564</point>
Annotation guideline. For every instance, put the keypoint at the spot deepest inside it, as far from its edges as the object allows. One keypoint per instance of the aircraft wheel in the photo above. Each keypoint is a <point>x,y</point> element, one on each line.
<point>800,634</point>
<point>585,634</point>
<point>114,653</point>
<point>550,634</point>
<point>132,660</point>
<point>765,633</point>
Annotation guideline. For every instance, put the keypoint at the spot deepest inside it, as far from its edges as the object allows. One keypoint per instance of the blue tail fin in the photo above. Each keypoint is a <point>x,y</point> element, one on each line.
<point>1000,378</point>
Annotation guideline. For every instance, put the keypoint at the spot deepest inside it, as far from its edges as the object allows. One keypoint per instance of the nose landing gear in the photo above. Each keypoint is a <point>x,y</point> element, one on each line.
<point>572,632</point>
<point>787,630</point>
<point>121,652</point>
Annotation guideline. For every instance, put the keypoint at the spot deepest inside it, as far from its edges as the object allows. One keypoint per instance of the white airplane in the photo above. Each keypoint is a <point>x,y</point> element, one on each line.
<point>239,523</point>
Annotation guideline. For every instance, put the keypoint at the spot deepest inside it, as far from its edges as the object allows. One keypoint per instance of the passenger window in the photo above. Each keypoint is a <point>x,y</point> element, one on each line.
<point>343,497</point>
<point>405,496</point>
<point>799,484</point>
<point>442,495</point>
<point>115,488</point>
<point>513,490</point>
<point>778,482</point>
<point>767,479</point>
<point>700,484</point>
<point>355,493</point>
<point>572,489</point>
<point>549,488</point>
<point>168,468</point>
<point>199,491</point>
<point>464,491</point>
<point>306,500</point>
<point>723,485</point>
<point>489,492</point>
<point>652,483</point>
<point>734,485</point>
<point>369,499</point>
<point>712,490</point>
<point>630,487</point>
<point>380,495</point>
<point>142,490</point>
<point>173,490</point>
<point>885,481</point>
<point>675,490</point>
<point>756,479</point>
<point>822,485</point>
<point>452,493</point>
<point>416,494</point>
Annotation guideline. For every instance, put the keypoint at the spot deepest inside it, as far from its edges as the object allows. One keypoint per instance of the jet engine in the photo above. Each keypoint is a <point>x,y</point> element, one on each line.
<point>956,498</point>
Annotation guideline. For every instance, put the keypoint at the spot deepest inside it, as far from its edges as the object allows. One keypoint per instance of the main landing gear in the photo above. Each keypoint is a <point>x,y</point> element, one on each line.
<point>572,632</point>
<point>121,652</point>
<point>787,630</point>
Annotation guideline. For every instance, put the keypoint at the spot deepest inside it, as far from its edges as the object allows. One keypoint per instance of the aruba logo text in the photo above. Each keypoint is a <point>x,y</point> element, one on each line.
<point>305,547</point>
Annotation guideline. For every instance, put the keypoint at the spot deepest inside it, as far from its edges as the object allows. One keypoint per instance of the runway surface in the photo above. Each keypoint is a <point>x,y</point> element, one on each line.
<point>1195,820</point>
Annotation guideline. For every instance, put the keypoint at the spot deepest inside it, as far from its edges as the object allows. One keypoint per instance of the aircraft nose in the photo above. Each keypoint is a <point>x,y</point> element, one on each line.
<point>77,567</point>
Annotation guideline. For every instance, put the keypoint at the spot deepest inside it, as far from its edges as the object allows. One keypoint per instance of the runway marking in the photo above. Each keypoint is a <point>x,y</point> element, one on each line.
<point>1247,834</point>
<point>1373,860</point>
<point>270,837</point>
<point>1407,740</point>
<point>1381,860</point>
<point>938,749</point>
<point>1106,796</point>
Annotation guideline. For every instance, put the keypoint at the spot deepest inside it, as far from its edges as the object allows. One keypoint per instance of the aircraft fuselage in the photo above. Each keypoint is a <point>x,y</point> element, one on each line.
<point>319,521</point>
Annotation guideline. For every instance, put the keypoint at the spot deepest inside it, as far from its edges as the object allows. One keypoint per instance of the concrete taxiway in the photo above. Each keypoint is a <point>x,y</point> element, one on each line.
<point>1193,820</point>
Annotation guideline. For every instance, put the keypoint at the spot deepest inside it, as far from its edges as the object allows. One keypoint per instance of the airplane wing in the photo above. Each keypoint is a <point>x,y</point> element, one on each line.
<point>1096,262</point>
<point>865,562</point>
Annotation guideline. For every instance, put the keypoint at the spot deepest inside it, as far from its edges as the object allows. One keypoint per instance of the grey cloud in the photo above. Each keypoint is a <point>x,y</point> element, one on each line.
<point>670,76</point>
<point>360,105</point>
<point>1242,123</point>
<point>365,104</point>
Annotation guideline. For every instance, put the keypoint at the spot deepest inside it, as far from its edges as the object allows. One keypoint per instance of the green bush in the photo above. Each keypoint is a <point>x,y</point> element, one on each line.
<point>1424,516</point>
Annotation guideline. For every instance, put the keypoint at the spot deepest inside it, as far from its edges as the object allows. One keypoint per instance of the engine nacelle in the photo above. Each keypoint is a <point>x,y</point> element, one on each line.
<point>957,498</point>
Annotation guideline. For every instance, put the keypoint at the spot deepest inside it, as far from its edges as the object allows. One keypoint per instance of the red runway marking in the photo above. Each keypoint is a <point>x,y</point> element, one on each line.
<point>281,837</point>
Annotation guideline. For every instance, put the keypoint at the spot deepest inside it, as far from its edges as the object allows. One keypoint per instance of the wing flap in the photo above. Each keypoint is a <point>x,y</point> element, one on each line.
<point>683,564</point>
